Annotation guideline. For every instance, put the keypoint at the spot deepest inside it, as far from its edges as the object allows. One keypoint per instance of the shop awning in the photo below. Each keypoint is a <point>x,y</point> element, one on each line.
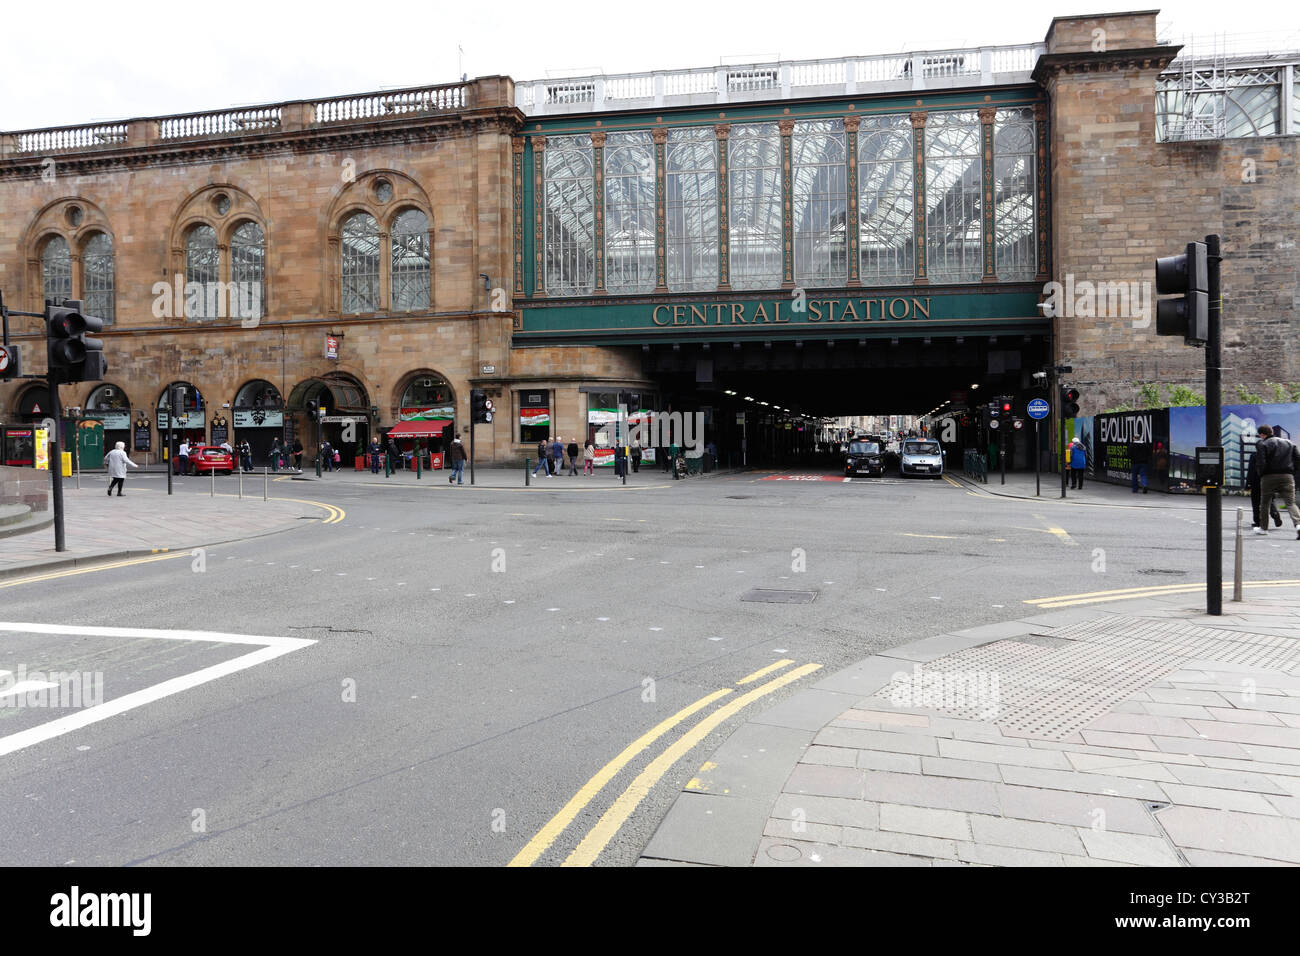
<point>418,429</point>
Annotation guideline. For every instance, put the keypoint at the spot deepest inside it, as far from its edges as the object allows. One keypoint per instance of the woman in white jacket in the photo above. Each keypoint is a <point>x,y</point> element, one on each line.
<point>117,461</point>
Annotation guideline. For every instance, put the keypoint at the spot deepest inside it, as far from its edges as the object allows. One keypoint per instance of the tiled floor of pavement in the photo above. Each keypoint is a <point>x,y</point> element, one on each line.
<point>1144,734</point>
<point>146,518</point>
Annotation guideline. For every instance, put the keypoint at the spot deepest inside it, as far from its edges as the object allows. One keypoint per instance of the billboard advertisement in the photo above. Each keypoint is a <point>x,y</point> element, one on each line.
<point>1120,441</point>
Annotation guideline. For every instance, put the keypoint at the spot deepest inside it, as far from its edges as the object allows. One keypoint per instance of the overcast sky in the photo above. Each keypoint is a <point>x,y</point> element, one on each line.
<point>87,60</point>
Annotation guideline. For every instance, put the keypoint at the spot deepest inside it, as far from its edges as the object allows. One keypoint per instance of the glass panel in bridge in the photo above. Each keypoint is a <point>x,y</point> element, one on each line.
<point>885,200</point>
<point>691,208</point>
<point>1213,104</point>
<point>248,269</point>
<point>953,226</point>
<point>1013,194</point>
<point>821,204</point>
<point>410,252</point>
<point>202,266</point>
<point>1252,103</point>
<point>570,236</point>
<point>755,192</point>
<point>629,212</point>
<point>56,269</point>
<point>360,273</point>
<point>97,266</point>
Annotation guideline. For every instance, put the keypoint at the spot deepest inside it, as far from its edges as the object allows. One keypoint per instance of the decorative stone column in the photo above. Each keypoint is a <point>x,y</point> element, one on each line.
<point>987,115</point>
<point>539,217</point>
<point>786,127</point>
<point>598,201</point>
<point>1042,193</point>
<point>722,131</point>
<point>851,224</point>
<point>922,277</point>
<point>660,136</point>
<point>517,190</point>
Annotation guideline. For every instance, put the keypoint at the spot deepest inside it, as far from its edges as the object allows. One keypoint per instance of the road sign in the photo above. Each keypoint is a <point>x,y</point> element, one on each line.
<point>4,359</point>
<point>993,423</point>
<point>1038,409</point>
<point>49,424</point>
<point>1018,424</point>
<point>487,403</point>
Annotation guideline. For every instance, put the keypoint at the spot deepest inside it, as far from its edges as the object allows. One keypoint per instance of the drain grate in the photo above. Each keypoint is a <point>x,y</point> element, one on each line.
<point>777,596</point>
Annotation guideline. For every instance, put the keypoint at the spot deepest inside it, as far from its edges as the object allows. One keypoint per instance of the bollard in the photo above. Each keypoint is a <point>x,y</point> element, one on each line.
<point>418,456</point>
<point>241,483</point>
<point>266,482</point>
<point>1236,571</point>
<point>526,475</point>
<point>213,492</point>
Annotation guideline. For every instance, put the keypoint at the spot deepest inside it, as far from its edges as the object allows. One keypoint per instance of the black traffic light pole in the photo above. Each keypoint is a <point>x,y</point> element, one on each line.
<point>1213,435</point>
<point>56,463</point>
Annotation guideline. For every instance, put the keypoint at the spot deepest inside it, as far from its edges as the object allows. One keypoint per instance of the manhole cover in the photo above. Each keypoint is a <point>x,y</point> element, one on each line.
<point>776,596</point>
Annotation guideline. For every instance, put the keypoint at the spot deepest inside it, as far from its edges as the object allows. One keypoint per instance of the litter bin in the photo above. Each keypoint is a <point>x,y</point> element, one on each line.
<point>67,463</point>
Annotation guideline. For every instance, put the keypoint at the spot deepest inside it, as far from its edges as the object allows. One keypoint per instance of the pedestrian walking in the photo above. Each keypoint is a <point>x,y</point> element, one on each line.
<point>543,454</point>
<point>458,457</point>
<point>636,457</point>
<point>183,456</point>
<point>589,459</point>
<point>276,453</point>
<point>117,461</point>
<point>1139,462</point>
<point>1279,460</point>
<point>375,451</point>
<point>1258,516</point>
<point>326,456</point>
<point>297,454</point>
<point>557,455</point>
<point>245,455</point>
<point>1078,457</point>
<point>573,451</point>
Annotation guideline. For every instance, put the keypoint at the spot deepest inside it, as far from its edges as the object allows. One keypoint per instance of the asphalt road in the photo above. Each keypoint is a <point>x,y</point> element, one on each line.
<point>477,655</point>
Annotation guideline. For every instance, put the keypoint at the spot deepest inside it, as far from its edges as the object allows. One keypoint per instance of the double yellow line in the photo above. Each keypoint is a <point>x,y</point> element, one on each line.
<point>623,806</point>
<point>1125,594</point>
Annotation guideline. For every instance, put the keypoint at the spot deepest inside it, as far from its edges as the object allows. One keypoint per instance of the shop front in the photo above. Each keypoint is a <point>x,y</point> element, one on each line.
<point>111,407</point>
<point>189,426</point>
<point>258,416</point>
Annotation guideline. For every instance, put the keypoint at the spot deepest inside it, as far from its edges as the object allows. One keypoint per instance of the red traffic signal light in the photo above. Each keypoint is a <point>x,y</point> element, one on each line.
<point>1070,402</point>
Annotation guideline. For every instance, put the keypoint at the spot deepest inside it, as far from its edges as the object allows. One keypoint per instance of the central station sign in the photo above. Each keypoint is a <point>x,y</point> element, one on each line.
<point>942,313</point>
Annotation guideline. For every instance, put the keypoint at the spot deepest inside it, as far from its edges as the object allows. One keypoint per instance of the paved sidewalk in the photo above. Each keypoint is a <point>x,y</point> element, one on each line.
<point>1021,485</point>
<point>145,520</point>
<point>483,478</point>
<point>1145,733</point>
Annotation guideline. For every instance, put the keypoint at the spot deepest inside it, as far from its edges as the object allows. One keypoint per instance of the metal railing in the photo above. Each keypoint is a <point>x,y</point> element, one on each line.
<point>975,466</point>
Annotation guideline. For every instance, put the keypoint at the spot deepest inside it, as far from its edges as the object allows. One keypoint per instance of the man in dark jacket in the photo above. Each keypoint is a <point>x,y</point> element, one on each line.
<point>458,457</point>
<point>1253,479</point>
<point>1279,460</point>
<point>1140,460</point>
<point>573,450</point>
<point>543,456</point>
<point>557,455</point>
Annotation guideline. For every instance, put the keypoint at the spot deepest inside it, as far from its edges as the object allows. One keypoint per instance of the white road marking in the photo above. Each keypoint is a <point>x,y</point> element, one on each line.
<point>269,649</point>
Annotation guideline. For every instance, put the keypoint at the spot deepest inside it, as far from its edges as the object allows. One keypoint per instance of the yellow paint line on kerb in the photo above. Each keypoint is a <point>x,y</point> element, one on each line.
<point>1149,589</point>
<point>613,819</point>
<point>548,834</point>
<point>93,568</point>
<point>1102,597</point>
<point>764,671</point>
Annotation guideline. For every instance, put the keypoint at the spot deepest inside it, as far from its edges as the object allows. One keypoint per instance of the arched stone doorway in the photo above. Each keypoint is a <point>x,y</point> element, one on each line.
<point>191,426</point>
<point>258,417</point>
<point>426,412</point>
<point>347,421</point>
<point>111,404</point>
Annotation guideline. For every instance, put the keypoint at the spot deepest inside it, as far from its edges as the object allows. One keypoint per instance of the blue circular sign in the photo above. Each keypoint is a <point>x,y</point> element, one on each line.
<point>1038,408</point>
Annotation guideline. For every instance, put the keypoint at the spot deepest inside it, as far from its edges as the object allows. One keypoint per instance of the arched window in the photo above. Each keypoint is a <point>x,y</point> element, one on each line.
<point>630,213</point>
<point>97,276</point>
<point>56,269</point>
<point>410,259</point>
<point>248,270</point>
<point>360,266</point>
<point>202,266</point>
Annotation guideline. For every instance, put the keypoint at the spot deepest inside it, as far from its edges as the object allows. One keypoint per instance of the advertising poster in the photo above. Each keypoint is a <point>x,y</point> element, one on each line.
<point>1238,432</point>
<point>534,417</point>
<point>1118,440</point>
<point>42,449</point>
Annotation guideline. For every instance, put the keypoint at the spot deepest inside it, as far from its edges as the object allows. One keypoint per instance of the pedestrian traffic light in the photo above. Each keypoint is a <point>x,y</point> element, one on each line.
<point>478,413</point>
<point>1069,402</point>
<point>72,354</point>
<point>1186,276</point>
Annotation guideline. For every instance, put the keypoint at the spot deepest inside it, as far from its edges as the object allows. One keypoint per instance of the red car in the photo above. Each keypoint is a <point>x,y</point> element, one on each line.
<point>206,458</point>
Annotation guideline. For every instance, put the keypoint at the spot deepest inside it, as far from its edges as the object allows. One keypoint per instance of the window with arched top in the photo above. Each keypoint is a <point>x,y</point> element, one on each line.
<point>56,269</point>
<point>410,261</point>
<point>202,273</point>
<point>97,276</point>
<point>360,264</point>
<point>248,269</point>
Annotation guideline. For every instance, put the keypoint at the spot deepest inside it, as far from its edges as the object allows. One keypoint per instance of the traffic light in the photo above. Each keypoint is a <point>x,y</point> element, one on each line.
<point>1186,276</point>
<point>1005,405</point>
<point>176,401</point>
<point>1069,402</point>
<point>313,410</point>
<point>478,407</point>
<point>73,355</point>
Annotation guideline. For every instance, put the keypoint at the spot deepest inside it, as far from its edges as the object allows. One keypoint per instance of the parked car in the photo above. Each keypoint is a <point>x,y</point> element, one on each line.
<point>207,458</point>
<point>920,456</point>
<point>864,458</point>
